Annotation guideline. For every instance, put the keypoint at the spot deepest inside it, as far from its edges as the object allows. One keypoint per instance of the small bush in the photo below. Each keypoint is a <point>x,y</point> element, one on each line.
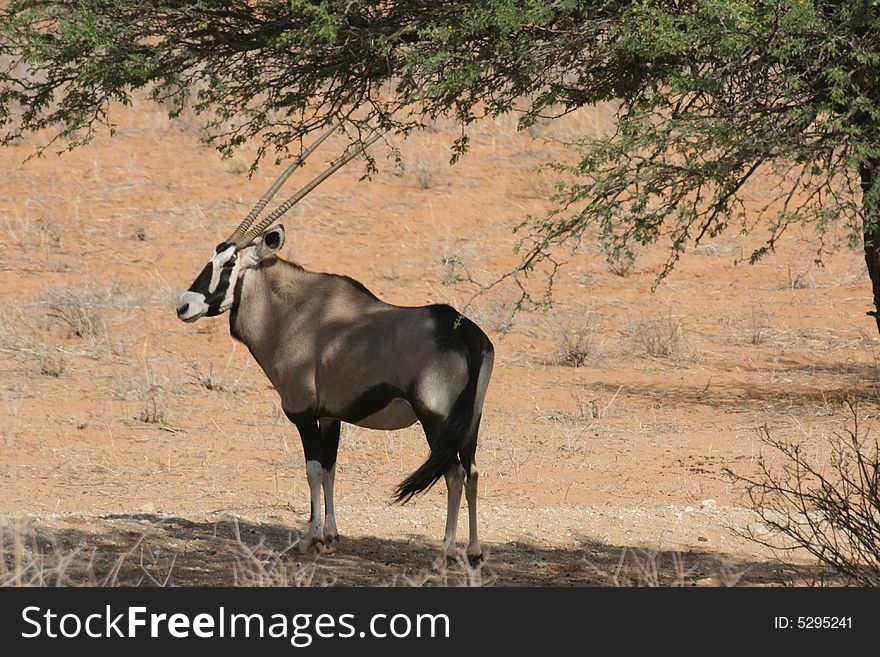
<point>831,509</point>
<point>424,175</point>
<point>575,347</point>
<point>658,336</point>
<point>209,379</point>
<point>622,264</point>
<point>151,413</point>
<point>81,312</point>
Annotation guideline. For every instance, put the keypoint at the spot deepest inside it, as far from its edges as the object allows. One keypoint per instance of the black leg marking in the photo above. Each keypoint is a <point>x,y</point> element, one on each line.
<point>329,442</point>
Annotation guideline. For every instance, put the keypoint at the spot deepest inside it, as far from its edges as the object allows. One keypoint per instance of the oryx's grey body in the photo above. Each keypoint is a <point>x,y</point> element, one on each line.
<point>336,353</point>
<point>331,348</point>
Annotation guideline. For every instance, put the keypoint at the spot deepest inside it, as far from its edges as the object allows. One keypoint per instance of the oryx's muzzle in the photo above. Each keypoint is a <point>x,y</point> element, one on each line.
<point>191,306</point>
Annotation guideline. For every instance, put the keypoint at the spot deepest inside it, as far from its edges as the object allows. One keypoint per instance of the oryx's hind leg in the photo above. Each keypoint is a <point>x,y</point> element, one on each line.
<point>329,447</point>
<point>469,468</point>
<point>454,481</point>
<point>448,400</point>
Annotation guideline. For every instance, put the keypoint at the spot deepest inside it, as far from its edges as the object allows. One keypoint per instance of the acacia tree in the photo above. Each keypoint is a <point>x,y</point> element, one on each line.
<point>711,94</point>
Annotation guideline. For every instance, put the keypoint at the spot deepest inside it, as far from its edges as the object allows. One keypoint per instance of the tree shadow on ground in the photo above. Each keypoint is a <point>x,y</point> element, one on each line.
<point>742,398</point>
<point>152,550</point>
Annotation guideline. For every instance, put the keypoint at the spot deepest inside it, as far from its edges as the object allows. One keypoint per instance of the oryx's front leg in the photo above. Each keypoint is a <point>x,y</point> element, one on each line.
<point>310,435</point>
<point>329,447</point>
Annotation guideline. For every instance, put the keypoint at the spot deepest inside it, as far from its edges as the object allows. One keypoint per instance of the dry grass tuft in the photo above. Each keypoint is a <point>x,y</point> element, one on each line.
<point>208,380</point>
<point>577,346</point>
<point>81,313</point>
<point>30,559</point>
<point>152,413</point>
<point>457,572</point>
<point>660,336</point>
<point>262,566</point>
<point>622,265</point>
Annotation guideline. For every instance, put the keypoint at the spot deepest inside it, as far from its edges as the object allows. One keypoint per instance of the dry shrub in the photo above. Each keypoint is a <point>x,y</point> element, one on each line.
<point>30,559</point>
<point>829,509</point>
<point>81,314</point>
<point>424,175</point>
<point>260,565</point>
<point>660,336</point>
<point>576,346</point>
<point>152,413</point>
<point>209,380</point>
<point>622,264</point>
<point>53,365</point>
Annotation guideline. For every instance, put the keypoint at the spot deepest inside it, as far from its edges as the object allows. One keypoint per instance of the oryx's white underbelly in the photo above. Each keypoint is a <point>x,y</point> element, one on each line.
<point>396,415</point>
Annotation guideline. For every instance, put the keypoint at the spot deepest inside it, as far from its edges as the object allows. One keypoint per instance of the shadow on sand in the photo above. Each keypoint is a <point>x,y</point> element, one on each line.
<point>152,550</point>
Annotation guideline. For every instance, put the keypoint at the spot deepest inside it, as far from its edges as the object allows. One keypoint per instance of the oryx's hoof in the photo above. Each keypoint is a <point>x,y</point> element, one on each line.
<point>475,559</point>
<point>313,546</point>
<point>453,555</point>
<point>474,553</point>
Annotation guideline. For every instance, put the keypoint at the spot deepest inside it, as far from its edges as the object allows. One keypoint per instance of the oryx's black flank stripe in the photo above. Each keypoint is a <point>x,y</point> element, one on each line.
<point>370,402</point>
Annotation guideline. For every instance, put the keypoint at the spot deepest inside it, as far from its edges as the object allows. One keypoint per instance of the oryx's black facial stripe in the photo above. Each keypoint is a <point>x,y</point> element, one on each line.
<point>203,280</point>
<point>215,300</point>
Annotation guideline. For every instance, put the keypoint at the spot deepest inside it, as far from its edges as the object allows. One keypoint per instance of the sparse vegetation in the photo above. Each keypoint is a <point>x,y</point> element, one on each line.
<point>152,413</point>
<point>260,565</point>
<point>237,165</point>
<point>657,335</point>
<point>826,505</point>
<point>576,346</point>
<point>210,380</point>
<point>424,175</point>
<point>622,264</point>
<point>760,328</point>
<point>29,559</point>
<point>81,313</point>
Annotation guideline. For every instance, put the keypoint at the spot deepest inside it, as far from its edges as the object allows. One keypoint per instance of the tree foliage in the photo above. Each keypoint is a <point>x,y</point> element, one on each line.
<point>711,94</point>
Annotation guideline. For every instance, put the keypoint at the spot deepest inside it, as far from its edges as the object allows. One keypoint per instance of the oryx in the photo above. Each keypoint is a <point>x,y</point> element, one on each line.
<point>336,353</point>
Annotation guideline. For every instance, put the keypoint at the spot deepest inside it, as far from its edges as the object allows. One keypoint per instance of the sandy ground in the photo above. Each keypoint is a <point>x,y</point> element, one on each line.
<point>138,449</point>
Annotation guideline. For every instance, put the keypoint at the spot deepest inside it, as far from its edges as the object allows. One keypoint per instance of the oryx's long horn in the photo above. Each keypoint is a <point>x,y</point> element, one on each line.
<point>237,237</point>
<point>269,219</point>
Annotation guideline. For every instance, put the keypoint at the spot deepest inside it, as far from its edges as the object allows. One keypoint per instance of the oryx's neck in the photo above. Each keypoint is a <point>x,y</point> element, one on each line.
<point>269,301</point>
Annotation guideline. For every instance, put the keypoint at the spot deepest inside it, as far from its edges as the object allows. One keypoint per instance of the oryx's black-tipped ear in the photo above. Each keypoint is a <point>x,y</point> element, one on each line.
<point>271,242</point>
